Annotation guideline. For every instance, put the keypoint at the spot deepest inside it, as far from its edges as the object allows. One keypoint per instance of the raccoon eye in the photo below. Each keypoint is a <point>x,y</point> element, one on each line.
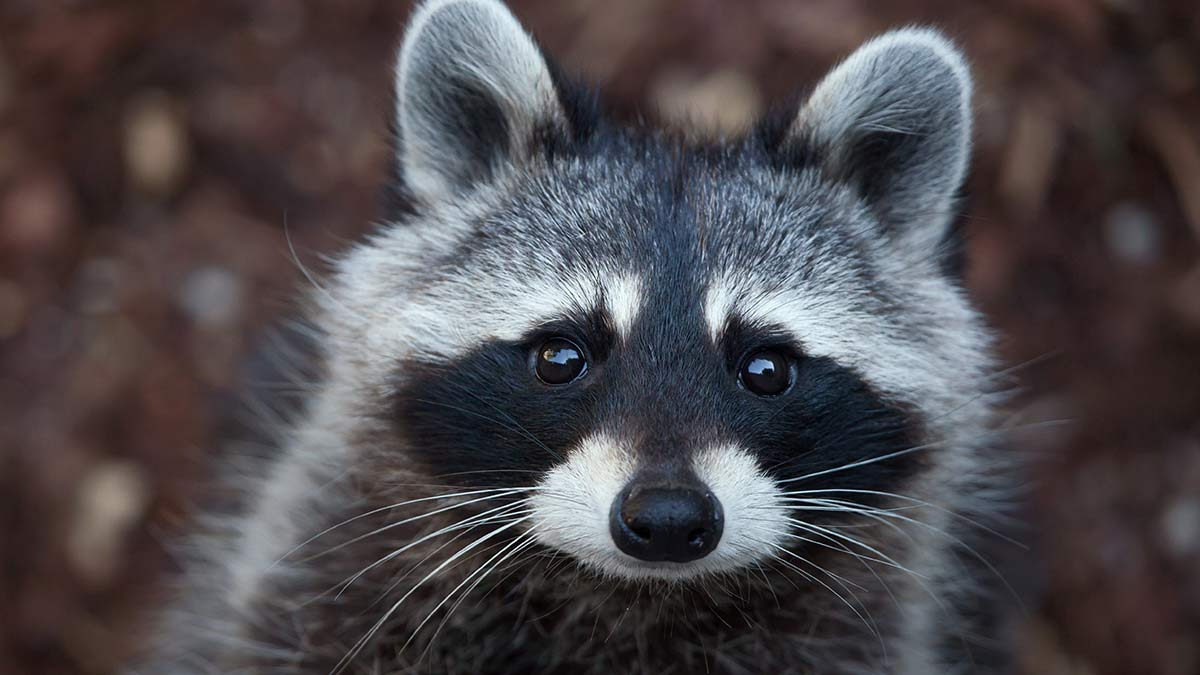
<point>559,361</point>
<point>766,373</point>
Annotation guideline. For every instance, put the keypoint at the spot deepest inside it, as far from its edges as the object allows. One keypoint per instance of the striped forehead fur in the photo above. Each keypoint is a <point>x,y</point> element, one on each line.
<point>837,288</point>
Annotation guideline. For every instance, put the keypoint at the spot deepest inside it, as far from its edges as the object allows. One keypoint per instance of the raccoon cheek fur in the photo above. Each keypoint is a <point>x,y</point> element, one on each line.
<point>599,398</point>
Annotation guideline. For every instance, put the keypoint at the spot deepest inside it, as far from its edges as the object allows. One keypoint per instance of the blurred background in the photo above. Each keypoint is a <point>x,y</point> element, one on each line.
<point>154,156</point>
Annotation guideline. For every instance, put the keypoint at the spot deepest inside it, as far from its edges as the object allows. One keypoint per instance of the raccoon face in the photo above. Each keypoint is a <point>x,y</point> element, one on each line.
<point>683,357</point>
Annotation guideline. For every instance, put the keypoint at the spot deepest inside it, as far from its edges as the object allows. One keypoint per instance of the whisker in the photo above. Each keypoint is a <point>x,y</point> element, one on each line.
<point>936,507</point>
<point>864,462</point>
<point>287,235</point>
<point>953,539</point>
<point>841,548</point>
<point>480,471</point>
<point>870,625</point>
<point>839,578</point>
<point>381,510</point>
<point>497,519</point>
<point>517,545</point>
<point>362,642</point>
<point>847,538</point>
<point>497,514</point>
<point>506,493</point>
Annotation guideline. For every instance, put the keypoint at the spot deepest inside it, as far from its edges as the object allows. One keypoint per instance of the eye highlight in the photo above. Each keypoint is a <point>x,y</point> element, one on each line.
<point>559,361</point>
<point>766,372</point>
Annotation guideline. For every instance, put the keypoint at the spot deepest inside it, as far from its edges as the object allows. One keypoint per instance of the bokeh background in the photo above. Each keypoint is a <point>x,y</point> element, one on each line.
<point>155,156</point>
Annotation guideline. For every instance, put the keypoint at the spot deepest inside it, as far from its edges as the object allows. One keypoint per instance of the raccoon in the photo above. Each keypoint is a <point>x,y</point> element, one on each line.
<point>602,398</point>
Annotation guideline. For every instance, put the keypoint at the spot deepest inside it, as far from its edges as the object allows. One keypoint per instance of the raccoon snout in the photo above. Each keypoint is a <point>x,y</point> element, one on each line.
<point>655,523</point>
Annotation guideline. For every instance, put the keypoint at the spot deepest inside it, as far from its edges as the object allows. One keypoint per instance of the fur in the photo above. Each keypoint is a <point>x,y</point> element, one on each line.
<point>436,508</point>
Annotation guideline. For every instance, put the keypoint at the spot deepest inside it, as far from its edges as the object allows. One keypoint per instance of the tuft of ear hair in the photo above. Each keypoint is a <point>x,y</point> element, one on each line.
<point>894,121</point>
<point>472,91</point>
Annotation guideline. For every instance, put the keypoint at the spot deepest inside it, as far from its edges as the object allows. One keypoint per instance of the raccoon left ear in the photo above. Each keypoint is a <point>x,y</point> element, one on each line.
<point>472,91</point>
<point>894,121</point>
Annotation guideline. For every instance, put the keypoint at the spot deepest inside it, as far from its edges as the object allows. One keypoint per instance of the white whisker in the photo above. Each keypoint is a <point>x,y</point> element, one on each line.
<point>517,545</point>
<point>381,510</point>
<point>508,493</point>
<point>894,495</point>
<point>362,642</point>
<point>870,624</point>
<point>497,514</point>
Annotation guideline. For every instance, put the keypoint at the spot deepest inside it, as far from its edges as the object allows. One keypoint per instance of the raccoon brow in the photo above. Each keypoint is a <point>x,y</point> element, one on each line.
<point>595,328</point>
<point>741,336</point>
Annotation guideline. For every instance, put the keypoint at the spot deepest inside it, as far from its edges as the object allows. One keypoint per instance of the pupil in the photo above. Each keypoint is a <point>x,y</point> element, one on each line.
<point>762,368</point>
<point>765,373</point>
<point>559,362</point>
<point>560,356</point>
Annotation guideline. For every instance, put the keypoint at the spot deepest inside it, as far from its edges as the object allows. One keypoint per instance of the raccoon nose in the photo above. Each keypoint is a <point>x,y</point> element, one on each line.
<point>679,524</point>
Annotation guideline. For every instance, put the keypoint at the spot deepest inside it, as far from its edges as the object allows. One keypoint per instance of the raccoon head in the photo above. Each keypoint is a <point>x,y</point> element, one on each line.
<point>684,357</point>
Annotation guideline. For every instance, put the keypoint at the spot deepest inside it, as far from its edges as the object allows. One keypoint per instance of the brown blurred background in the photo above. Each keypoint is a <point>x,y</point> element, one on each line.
<point>152,153</point>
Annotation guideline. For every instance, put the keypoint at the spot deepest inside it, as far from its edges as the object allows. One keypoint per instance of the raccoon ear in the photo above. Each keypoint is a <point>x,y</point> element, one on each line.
<point>472,91</point>
<point>894,121</point>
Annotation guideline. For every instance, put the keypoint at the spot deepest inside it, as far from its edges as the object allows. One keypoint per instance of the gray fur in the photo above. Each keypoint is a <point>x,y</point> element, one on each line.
<point>897,115</point>
<point>505,239</point>
<point>463,54</point>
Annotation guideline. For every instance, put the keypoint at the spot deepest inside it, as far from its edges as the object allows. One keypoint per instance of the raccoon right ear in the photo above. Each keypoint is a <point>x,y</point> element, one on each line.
<point>472,93</point>
<point>894,122</point>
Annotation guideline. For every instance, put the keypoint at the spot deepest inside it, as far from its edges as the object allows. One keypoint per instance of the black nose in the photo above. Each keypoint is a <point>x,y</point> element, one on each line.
<point>666,523</point>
